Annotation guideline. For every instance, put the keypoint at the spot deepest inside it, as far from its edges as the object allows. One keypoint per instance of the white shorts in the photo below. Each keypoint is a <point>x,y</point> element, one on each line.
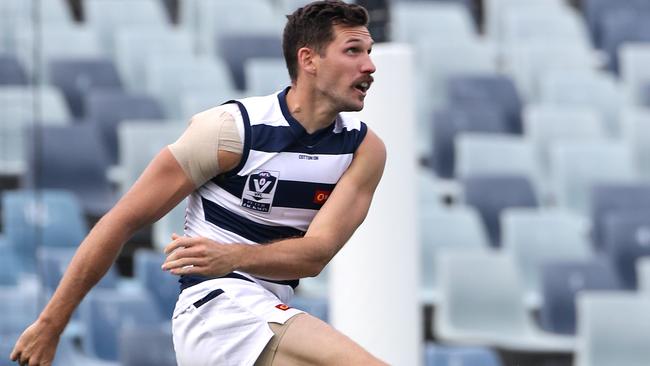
<point>225,321</point>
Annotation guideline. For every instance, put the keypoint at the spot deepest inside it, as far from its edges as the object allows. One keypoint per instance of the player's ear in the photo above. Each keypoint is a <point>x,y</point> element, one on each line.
<point>307,60</point>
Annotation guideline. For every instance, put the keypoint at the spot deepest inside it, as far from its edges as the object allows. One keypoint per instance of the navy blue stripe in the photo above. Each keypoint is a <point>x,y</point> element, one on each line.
<point>247,138</point>
<point>208,297</point>
<point>244,227</point>
<point>191,280</point>
<point>292,194</point>
<point>281,138</point>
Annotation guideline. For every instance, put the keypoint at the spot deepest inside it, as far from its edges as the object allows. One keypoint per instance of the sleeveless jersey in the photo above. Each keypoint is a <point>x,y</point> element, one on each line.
<point>284,177</point>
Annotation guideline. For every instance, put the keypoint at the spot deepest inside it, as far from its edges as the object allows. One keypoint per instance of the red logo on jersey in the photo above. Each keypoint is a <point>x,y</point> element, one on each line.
<point>283,307</point>
<point>321,196</point>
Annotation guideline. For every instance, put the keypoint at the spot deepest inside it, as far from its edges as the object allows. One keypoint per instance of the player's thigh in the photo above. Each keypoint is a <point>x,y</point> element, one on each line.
<point>310,341</point>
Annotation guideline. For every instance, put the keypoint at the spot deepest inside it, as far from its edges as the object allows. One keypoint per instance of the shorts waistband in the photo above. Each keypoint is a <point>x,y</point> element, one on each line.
<point>187,281</point>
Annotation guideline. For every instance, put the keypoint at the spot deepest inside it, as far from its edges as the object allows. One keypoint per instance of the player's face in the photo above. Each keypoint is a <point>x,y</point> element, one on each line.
<point>345,68</point>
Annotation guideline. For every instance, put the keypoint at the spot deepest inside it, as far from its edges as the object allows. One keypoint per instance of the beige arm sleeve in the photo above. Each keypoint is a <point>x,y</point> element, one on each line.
<point>208,132</point>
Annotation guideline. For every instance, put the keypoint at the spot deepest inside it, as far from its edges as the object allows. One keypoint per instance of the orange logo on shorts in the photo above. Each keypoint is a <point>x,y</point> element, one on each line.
<point>283,307</point>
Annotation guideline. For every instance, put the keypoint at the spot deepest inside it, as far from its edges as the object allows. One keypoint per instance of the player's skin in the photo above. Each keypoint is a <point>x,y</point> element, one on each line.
<point>327,84</point>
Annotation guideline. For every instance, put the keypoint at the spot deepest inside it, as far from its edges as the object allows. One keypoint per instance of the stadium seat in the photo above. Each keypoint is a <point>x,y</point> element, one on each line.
<point>105,313</point>
<point>491,194</point>
<point>11,71</point>
<point>626,236</point>
<point>107,109</point>
<point>636,132</point>
<point>77,77</point>
<point>634,59</point>
<point>456,228</point>
<point>17,112</point>
<point>244,17</point>
<point>15,13</point>
<point>449,122</point>
<point>136,46</point>
<point>562,281</point>
<point>139,141</point>
<point>606,199</point>
<point>530,24</point>
<point>545,124</point>
<point>579,165</point>
<point>73,158</point>
<point>170,78</point>
<point>439,355</point>
<point>496,154</point>
<point>415,21</point>
<point>162,286</point>
<point>599,91</point>
<point>534,237</point>
<point>9,264</point>
<point>496,10</point>
<point>613,328</point>
<point>487,88</point>
<point>23,305</point>
<point>32,219</point>
<point>108,16</point>
<point>146,346</point>
<point>266,75</point>
<point>528,63</point>
<point>236,49</point>
<point>621,26</point>
<point>55,42</point>
<point>482,304</point>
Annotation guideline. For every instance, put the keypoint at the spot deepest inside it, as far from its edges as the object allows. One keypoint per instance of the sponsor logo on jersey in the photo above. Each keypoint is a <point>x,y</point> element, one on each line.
<point>321,196</point>
<point>307,157</point>
<point>260,190</point>
<point>283,307</point>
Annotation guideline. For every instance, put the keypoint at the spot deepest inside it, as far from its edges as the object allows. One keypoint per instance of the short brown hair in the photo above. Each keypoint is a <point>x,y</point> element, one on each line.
<point>312,26</point>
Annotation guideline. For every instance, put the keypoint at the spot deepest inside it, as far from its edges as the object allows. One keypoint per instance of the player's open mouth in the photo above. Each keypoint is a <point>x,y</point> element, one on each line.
<point>362,87</point>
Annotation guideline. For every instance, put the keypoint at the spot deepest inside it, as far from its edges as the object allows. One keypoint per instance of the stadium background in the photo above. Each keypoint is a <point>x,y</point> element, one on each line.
<point>533,130</point>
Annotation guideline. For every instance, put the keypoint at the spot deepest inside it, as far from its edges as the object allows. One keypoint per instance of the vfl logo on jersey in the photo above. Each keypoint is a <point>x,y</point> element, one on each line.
<point>260,190</point>
<point>283,307</point>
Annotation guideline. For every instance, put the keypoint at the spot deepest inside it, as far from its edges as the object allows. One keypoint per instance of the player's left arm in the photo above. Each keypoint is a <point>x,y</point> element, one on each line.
<point>336,221</point>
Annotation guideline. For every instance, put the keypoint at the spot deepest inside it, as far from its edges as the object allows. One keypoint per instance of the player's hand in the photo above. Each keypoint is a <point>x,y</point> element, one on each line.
<point>36,346</point>
<point>200,256</point>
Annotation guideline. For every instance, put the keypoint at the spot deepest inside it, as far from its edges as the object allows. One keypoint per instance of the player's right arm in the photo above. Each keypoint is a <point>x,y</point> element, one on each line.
<point>164,183</point>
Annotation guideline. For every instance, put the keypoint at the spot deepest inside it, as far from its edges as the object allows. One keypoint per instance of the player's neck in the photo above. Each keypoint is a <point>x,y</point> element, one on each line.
<point>306,108</point>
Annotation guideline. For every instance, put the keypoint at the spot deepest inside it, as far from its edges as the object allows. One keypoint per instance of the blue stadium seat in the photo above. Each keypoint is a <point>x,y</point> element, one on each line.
<point>73,158</point>
<point>626,238</point>
<point>536,236</point>
<point>645,95</point>
<point>316,306</point>
<point>596,12</point>
<point>146,346</point>
<point>613,328</point>
<point>77,77</point>
<point>105,313</point>
<point>9,264</point>
<point>52,218</point>
<point>439,355</point>
<point>608,198</point>
<point>237,48</point>
<point>11,71</point>
<point>493,89</point>
<point>562,281</point>
<point>449,122</point>
<point>162,286</point>
<point>490,194</point>
<point>108,108</point>
<point>623,26</point>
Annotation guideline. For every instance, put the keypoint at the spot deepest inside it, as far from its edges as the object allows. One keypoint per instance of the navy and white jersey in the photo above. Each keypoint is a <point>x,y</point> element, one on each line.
<point>284,177</point>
